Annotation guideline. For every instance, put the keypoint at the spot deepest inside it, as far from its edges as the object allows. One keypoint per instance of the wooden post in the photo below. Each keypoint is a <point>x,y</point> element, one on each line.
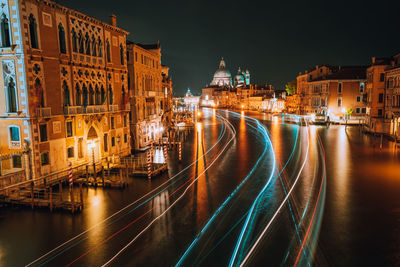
<point>51,198</point>
<point>108,169</point>
<point>120,177</point>
<point>127,174</point>
<point>102,174</point>
<point>60,189</point>
<point>81,194</point>
<point>32,196</point>
<point>87,175</point>
<point>94,173</point>
<point>148,165</point>
<point>71,193</point>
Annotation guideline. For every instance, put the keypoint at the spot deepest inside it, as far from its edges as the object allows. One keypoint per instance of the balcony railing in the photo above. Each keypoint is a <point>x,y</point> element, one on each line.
<point>74,110</point>
<point>96,109</point>
<point>128,107</point>
<point>113,108</point>
<point>43,112</point>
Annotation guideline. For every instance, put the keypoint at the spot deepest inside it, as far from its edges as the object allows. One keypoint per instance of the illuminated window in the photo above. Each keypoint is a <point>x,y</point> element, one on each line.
<point>44,158</point>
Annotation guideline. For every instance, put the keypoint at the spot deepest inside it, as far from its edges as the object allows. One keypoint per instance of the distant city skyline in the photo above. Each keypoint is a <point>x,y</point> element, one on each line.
<point>253,35</point>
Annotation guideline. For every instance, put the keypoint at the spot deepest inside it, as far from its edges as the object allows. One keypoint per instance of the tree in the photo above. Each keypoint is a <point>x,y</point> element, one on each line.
<point>349,111</point>
<point>291,87</point>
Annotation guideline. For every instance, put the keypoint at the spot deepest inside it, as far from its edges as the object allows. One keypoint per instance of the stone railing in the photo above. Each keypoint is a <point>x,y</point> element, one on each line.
<point>43,112</point>
<point>12,178</point>
<point>113,108</point>
<point>95,109</point>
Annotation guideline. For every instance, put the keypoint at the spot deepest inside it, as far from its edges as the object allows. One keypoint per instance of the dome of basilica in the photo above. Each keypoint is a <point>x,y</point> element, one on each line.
<point>222,76</point>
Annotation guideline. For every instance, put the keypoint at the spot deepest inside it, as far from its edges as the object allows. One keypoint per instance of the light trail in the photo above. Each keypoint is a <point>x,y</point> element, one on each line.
<point>222,132</point>
<point>237,223</point>
<point>266,138</point>
<point>277,211</point>
<point>233,131</point>
<point>316,205</point>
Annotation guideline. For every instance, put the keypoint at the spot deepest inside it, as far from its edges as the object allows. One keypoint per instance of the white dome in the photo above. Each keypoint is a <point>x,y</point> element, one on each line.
<point>222,76</point>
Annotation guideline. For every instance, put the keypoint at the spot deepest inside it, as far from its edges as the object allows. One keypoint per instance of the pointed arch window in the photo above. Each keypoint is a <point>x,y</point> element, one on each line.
<point>74,41</point>
<point>12,96</point>
<point>61,39</point>
<point>84,95</point>
<point>100,44</point>
<point>94,46</point>
<point>67,99</point>
<point>108,51</point>
<point>121,54</point>
<point>97,95</point>
<point>78,96</point>
<point>80,42</point>
<point>110,96</point>
<point>33,32</point>
<point>5,31</point>
<point>39,93</point>
<point>103,95</point>
<point>91,95</point>
<point>87,44</point>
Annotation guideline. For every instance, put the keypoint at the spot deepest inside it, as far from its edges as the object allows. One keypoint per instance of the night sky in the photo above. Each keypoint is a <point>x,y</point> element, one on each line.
<point>275,40</point>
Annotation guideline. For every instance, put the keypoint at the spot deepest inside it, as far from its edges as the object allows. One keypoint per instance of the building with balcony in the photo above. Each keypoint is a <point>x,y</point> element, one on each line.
<point>65,94</point>
<point>392,91</point>
<point>150,94</point>
<point>334,91</point>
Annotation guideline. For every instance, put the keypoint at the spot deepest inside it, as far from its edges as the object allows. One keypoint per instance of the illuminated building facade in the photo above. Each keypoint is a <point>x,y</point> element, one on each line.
<point>392,106</point>
<point>333,91</point>
<point>65,93</point>
<point>151,94</point>
<point>375,88</point>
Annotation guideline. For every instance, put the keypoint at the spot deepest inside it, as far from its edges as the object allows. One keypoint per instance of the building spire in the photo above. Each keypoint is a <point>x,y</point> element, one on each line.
<point>222,64</point>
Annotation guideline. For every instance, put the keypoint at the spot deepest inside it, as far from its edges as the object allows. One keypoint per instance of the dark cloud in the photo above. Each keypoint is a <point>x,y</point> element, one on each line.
<point>273,39</point>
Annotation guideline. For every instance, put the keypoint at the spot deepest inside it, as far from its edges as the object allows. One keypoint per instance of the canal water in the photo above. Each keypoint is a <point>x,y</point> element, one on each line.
<point>360,225</point>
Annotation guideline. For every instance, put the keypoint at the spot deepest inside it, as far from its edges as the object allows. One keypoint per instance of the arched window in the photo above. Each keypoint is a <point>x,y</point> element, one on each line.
<point>121,54</point>
<point>84,95</point>
<point>39,93</point>
<point>33,32</point>
<point>100,44</point>
<point>87,44</point>
<point>61,39</point>
<point>67,101</point>
<point>74,41</point>
<point>97,95</point>
<point>94,48</point>
<point>108,51</point>
<point>91,95</point>
<point>123,95</point>
<point>12,97</point>
<point>103,95</point>
<point>5,32</point>
<point>78,99</point>
<point>110,96</point>
<point>80,41</point>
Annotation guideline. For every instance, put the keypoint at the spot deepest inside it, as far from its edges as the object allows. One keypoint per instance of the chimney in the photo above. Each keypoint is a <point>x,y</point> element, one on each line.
<point>113,20</point>
<point>373,60</point>
<point>392,63</point>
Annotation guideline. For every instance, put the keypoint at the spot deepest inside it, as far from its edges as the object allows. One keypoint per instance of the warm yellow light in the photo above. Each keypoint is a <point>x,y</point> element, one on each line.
<point>242,106</point>
<point>90,144</point>
<point>199,113</point>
